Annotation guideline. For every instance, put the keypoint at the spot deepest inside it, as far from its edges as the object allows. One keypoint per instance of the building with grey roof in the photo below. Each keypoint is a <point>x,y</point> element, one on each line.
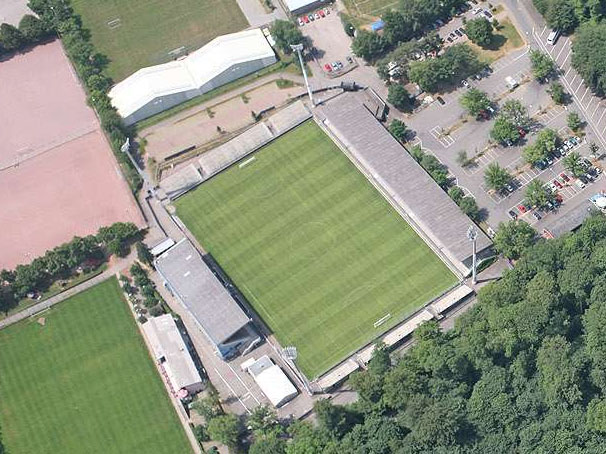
<point>409,188</point>
<point>170,351</point>
<point>207,299</point>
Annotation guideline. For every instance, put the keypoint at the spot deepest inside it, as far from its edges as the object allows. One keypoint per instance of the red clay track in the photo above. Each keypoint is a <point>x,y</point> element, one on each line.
<point>58,176</point>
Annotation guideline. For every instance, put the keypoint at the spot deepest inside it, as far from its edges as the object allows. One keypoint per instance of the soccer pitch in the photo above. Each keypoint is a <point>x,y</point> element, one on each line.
<point>138,33</point>
<point>84,383</point>
<point>315,248</point>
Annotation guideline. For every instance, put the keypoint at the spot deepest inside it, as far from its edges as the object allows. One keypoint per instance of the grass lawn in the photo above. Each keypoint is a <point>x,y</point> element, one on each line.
<point>365,11</point>
<point>138,33</point>
<point>505,40</point>
<point>314,247</point>
<point>84,383</point>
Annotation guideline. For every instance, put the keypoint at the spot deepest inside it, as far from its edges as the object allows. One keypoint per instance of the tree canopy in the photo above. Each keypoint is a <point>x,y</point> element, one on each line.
<point>542,64</point>
<point>496,177</point>
<point>537,195</point>
<point>475,101</point>
<point>479,31</point>
<point>286,33</point>
<point>589,55</point>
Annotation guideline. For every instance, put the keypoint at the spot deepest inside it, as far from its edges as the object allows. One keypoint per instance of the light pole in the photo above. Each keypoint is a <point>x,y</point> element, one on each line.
<point>298,48</point>
<point>472,235</point>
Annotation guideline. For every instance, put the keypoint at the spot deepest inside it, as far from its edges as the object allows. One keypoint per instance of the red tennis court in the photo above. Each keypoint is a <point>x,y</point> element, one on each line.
<point>58,176</point>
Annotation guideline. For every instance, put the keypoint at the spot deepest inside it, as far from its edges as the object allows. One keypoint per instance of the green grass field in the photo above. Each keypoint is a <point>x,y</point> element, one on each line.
<point>314,247</point>
<point>138,33</point>
<point>84,383</point>
<point>368,10</point>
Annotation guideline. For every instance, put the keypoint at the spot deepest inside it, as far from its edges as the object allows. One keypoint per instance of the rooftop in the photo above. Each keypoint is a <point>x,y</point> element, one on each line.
<point>191,72</point>
<point>402,178</point>
<point>166,342</point>
<point>201,292</point>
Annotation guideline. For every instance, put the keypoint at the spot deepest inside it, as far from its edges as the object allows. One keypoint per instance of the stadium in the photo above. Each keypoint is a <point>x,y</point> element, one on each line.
<point>329,257</point>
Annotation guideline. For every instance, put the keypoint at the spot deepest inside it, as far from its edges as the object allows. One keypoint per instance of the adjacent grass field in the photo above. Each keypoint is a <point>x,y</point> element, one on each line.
<point>315,248</point>
<point>84,383</point>
<point>138,33</point>
<point>505,40</point>
<point>369,10</point>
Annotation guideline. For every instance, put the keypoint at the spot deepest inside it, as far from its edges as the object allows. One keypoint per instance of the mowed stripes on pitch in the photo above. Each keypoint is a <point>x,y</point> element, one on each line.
<point>315,248</point>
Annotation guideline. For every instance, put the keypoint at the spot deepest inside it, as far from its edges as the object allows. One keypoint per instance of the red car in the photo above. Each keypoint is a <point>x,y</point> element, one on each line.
<point>558,184</point>
<point>565,177</point>
<point>559,198</point>
<point>306,19</point>
<point>321,13</point>
<point>522,132</point>
<point>327,67</point>
<point>522,208</point>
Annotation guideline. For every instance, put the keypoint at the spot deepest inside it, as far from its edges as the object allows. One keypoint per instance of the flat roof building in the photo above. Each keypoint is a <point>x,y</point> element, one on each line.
<point>206,298</point>
<point>224,59</point>
<point>172,354</point>
<point>409,188</point>
<point>301,6</point>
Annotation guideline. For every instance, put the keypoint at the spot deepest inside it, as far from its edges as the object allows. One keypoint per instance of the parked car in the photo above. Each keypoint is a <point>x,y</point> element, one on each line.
<point>565,177</point>
<point>322,13</point>
<point>558,184</point>
<point>462,30</point>
<point>512,215</point>
<point>487,14</point>
<point>301,23</point>
<point>327,11</point>
<point>441,100</point>
<point>465,83</point>
<point>458,33</point>
<point>310,16</point>
<point>580,184</point>
<point>449,39</point>
<point>536,215</point>
<point>559,198</point>
<point>306,19</point>
<point>522,132</point>
<point>339,64</point>
<point>477,11</point>
<point>349,59</point>
<point>522,208</point>
<point>316,16</point>
<point>327,67</point>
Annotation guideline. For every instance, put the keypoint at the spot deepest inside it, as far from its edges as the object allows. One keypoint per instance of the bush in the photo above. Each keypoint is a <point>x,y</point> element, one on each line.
<point>200,433</point>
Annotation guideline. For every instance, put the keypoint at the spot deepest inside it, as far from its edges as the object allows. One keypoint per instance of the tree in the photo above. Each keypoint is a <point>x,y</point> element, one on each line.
<point>475,101</point>
<point>143,254</point>
<point>556,90</point>
<point>558,375</point>
<point>399,97</point>
<point>396,28</point>
<point>496,177</point>
<point>546,143</point>
<point>542,64</point>
<point>574,121</point>
<point>268,445</point>
<point>33,29</point>
<point>456,194</point>
<point>462,159</point>
<point>589,56</point>
<point>514,238</point>
<point>11,38</point>
<point>398,129</point>
<point>335,419</point>
<point>225,429</point>
<point>537,194</point>
<point>286,33</point>
<point>368,45</point>
<point>263,422</point>
<point>533,154</point>
<point>560,15</point>
<point>515,113</point>
<point>479,31</point>
<point>573,163</point>
<point>470,207</point>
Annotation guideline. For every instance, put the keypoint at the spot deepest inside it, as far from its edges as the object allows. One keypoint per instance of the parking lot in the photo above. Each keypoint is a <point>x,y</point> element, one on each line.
<point>330,42</point>
<point>452,131</point>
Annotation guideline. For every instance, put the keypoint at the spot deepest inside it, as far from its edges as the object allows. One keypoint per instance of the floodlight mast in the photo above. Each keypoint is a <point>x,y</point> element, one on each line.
<point>298,48</point>
<point>472,235</point>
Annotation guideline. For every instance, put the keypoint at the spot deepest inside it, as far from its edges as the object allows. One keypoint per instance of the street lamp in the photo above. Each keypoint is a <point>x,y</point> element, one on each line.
<point>298,48</point>
<point>472,235</point>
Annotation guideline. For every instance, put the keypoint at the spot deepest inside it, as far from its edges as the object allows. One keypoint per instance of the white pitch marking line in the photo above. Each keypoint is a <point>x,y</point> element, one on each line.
<point>543,31</point>
<point>568,72</point>
<point>232,390</point>
<point>595,110</point>
<point>603,112</point>
<point>573,79</point>
<point>580,85</point>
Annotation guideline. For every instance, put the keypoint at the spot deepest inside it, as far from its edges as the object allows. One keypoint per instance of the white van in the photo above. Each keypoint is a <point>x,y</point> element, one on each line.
<point>580,184</point>
<point>553,37</point>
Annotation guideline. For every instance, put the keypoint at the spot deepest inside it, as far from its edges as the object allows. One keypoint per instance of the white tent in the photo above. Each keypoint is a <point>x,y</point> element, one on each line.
<point>273,381</point>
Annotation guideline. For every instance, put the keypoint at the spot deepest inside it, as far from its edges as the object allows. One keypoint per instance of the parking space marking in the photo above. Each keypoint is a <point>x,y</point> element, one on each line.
<point>559,53</point>
<point>600,120</point>
<point>584,94</point>
<point>595,110</point>
<point>445,140</point>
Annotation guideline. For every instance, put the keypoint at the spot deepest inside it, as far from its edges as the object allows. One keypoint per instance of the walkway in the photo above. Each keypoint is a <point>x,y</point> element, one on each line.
<point>256,14</point>
<point>114,268</point>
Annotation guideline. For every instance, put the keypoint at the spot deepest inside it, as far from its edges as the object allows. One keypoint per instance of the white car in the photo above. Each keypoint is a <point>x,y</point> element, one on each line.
<point>465,83</point>
<point>301,23</point>
<point>477,11</point>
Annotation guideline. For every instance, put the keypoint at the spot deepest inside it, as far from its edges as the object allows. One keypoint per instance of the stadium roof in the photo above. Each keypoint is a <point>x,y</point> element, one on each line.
<point>201,292</point>
<point>167,343</point>
<point>403,179</point>
<point>189,73</point>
